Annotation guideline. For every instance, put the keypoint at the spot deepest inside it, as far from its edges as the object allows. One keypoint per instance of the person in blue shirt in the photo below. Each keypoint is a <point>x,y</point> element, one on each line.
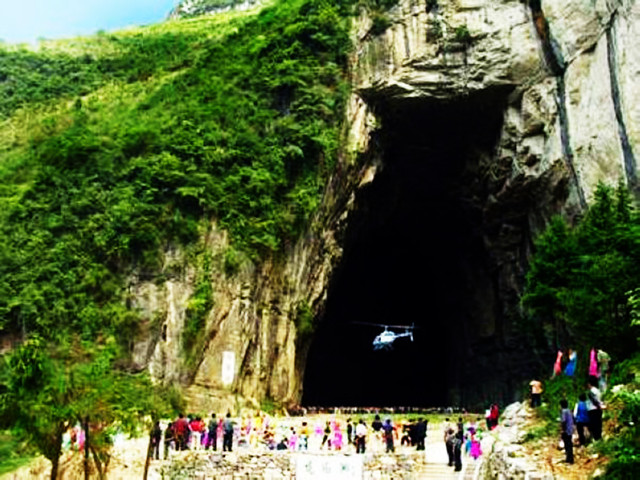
<point>566,425</point>
<point>581,415</point>
<point>388,432</point>
<point>570,369</point>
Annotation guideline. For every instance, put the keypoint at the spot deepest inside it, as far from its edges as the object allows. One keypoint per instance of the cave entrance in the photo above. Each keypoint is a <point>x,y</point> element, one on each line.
<point>414,254</point>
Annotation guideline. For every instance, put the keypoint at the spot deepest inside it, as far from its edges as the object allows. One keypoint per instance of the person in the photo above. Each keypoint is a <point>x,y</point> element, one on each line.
<point>156,437</point>
<point>566,427</point>
<point>337,437</point>
<point>227,436</point>
<point>487,418</point>
<point>376,425</point>
<point>581,416</point>
<point>594,409</point>
<point>361,436</point>
<point>326,437</point>
<point>181,428</point>
<point>557,366</point>
<point>603,359</point>
<point>282,444</point>
<point>293,439</point>
<point>420,433</point>
<point>593,364</point>
<point>212,433</point>
<point>408,434</point>
<point>476,449</point>
<point>349,432</point>
<point>304,437</point>
<point>570,368</point>
<point>387,430</point>
<point>446,428</point>
<point>169,439</point>
<point>196,425</point>
<point>450,444</point>
<point>495,414</point>
<point>377,438</point>
<point>457,450</point>
<point>536,393</point>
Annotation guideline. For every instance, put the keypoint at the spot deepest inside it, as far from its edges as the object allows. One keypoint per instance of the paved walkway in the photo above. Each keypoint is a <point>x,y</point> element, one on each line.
<point>436,468</point>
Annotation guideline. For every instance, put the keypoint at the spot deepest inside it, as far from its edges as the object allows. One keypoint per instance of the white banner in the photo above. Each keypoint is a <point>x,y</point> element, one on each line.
<point>228,368</point>
<point>329,467</point>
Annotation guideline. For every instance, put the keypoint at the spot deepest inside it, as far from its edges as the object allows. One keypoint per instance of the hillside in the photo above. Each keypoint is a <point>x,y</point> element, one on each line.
<point>116,147</point>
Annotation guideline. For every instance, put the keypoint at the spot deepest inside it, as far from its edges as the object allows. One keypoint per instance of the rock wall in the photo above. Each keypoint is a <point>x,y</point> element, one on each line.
<point>286,465</point>
<point>564,75</point>
<point>524,49</point>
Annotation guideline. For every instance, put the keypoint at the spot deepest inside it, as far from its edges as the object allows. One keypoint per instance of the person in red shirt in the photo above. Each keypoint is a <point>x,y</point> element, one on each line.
<point>197,427</point>
<point>181,430</point>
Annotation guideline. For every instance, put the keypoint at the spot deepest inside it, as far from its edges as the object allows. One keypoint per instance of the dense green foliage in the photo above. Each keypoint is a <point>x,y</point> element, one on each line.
<point>13,452</point>
<point>581,279</point>
<point>304,320</point>
<point>622,446</point>
<point>197,309</point>
<point>118,147</point>
<point>583,284</point>
<point>47,389</point>
<point>159,129</point>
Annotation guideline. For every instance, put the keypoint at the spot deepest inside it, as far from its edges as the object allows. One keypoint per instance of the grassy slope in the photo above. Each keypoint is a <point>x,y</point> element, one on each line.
<point>116,146</point>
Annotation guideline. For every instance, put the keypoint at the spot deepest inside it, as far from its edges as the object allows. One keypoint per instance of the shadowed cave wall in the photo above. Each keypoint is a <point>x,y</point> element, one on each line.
<point>415,252</point>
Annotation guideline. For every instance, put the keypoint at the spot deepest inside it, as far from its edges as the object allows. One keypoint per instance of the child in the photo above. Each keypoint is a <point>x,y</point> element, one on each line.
<point>476,449</point>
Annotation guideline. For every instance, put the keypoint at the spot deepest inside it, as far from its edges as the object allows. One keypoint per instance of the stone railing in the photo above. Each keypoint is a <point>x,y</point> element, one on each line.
<point>285,465</point>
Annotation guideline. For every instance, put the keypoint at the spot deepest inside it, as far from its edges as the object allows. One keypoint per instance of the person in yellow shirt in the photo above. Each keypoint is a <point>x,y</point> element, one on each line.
<point>536,393</point>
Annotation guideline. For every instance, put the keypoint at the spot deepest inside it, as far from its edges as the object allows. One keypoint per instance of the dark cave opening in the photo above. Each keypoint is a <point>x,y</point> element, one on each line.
<point>414,254</point>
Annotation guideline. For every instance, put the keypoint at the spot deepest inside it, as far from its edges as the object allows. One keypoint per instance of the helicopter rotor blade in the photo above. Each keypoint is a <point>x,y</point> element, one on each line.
<point>385,325</point>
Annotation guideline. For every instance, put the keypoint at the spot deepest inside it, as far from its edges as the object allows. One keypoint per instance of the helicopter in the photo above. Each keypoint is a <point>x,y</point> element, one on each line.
<point>384,340</point>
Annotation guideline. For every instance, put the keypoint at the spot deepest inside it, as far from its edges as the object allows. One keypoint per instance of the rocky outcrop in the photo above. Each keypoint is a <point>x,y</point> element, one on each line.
<point>504,454</point>
<point>192,8</point>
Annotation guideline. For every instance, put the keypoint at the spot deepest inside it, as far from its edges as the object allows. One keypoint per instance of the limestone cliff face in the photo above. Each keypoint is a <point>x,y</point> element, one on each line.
<point>560,77</point>
<point>563,77</point>
<point>252,350</point>
<point>523,49</point>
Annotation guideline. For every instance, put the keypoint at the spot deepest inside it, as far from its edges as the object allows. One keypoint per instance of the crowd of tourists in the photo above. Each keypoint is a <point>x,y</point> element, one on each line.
<point>263,432</point>
<point>586,416</point>
<point>460,437</point>
<point>327,433</point>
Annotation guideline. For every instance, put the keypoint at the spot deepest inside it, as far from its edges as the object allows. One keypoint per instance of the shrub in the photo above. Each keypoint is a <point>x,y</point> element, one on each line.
<point>461,34</point>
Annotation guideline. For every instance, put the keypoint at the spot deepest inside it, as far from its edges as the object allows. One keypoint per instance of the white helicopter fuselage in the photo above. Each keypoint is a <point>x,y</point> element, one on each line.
<point>385,339</point>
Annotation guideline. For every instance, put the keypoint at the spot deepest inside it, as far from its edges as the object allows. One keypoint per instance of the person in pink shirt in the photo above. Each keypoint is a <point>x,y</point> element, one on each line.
<point>593,364</point>
<point>293,440</point>
<point>337,437</point>
<point>557,366</point>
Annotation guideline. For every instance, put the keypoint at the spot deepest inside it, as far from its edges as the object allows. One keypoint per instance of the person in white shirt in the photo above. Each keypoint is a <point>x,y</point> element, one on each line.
<point>361,436</point>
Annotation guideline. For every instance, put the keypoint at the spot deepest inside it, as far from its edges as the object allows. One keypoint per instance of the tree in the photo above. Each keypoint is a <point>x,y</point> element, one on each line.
<point>580,277</point>
<point>47,389</point>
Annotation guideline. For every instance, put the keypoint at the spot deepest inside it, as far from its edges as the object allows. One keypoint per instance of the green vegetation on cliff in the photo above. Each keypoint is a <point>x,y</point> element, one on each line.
<point>581,279</point>
<point>583,286</point>
<point>118,147</point>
